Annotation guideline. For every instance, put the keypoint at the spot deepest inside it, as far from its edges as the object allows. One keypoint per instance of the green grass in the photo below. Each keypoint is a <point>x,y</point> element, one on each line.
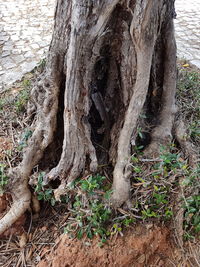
<point>188,98</point>
<point>21,100</point>
<point>3,178</point>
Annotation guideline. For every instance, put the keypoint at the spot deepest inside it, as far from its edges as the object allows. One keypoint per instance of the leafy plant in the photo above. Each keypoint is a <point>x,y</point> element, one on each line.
<point>90,213</point>
<point>23,96</point>
<point>191,205</point>
<point>25,136</point>
<point>3,178</point>
<point>92,183</point>
<point>2,103</point>
<point>42,193</point>
<point>192,215</point>
<point>41,64</point>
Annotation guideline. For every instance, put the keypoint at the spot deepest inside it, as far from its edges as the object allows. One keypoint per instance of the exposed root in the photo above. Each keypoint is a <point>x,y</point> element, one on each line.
<point>42,137</point>
<point>178,216</point>
<point>144,52</point>
<point>121,184</point>
<point>189,152</point>
<point>186,146</point>
<point>21,202</point>
<point>162,134</point>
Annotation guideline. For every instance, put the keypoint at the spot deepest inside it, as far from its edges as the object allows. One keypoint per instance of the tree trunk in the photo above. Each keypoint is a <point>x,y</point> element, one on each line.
<point>109,61</point>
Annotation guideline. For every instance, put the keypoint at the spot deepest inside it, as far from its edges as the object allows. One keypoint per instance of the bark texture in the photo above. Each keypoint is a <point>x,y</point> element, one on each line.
<point>108,62</point>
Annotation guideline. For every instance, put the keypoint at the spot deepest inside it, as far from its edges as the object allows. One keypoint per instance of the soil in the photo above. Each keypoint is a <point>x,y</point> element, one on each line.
<point>143,246</point>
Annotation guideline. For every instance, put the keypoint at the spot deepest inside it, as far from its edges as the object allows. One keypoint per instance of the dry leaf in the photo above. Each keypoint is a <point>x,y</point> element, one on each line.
<point>23,240</point>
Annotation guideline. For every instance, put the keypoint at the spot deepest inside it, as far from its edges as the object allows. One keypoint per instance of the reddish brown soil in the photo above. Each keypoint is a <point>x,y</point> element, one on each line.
<point>5,144</point>
<point>138,247</point>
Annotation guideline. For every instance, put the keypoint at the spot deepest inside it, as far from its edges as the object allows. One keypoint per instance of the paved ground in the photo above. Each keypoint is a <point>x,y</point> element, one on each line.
<point>25,34</point>
<point>26,28</point>
<point>187,26</point>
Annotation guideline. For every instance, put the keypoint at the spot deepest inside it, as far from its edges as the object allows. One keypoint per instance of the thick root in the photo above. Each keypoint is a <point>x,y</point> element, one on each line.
<point>144,53</point>
<point>186,146</point>
<point>41,138</point>
<point>121,189</point>
<point>162,134</point>
<point>21,202</point>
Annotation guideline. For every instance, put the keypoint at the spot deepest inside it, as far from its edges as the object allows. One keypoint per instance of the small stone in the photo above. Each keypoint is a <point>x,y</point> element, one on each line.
<point>16,51</point>
<point>5,54</point>
<point>10,65</point>
<point>15,37</point>
<point>2,72</point>
<point>12,77</point>
<point>4,38</point>
<point>35,46</point>
<point>7,48</point>
<point>28,54</point>
<point>18,58</point>
<point>28,66</point>
<point>196,63</point>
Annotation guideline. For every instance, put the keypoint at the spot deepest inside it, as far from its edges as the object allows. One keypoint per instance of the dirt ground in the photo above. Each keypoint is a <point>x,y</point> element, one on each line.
<point>145,245</point>
<point>139,247</point>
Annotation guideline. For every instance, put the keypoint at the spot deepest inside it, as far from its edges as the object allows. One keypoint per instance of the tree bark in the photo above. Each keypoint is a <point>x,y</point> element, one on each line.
<point>107,60</point>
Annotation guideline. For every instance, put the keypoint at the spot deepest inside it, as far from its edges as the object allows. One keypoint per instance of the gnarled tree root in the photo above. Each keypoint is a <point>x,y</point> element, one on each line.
<point>144,53</point>
<point>41,138</point>
<point>186,146</point>
<point>21,202</point>
<point>162,133</point>
<point>189,152</point>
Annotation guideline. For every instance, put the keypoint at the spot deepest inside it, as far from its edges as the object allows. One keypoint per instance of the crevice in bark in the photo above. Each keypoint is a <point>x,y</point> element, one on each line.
<point>99,118</point>
<point>53,152</point>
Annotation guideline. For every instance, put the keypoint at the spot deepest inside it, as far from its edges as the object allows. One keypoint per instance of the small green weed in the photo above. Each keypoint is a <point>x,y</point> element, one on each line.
<point>2,104</point>
<point>191,205</point>
<point>153,185</point>
<point>42,193</point>
<point>89,213</point>
<point>23,96</point>
<point>41,65</point>
<point>24,139</point>
<point>192,215</point>
<point>92,183</point>
<point>3,178</point>
<point>188,99</point>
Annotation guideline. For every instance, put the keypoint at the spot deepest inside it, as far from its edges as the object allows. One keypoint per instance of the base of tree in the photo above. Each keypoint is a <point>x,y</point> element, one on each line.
<point>109,70</point>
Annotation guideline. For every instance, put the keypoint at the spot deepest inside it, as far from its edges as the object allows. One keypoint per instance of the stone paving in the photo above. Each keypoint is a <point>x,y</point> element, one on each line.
<point>187,27</point>
<point>26,29</point>
<point>25,34</point>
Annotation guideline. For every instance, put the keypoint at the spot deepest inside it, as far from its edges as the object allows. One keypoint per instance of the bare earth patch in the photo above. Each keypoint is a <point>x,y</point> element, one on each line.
<point>138,247</point>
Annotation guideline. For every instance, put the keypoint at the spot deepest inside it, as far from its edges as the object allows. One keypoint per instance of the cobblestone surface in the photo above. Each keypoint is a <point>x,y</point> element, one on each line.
<point>25,34</point>
<point>187,27</point>
<point>26,29</point>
